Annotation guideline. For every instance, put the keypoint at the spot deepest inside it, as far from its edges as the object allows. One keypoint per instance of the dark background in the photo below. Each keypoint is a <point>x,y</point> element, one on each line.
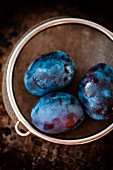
<point>31,153</point>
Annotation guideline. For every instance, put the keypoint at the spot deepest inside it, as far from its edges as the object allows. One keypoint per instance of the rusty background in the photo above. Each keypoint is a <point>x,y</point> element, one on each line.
<point>31,153</point>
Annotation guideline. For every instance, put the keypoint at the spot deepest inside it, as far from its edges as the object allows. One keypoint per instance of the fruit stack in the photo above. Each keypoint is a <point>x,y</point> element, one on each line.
<point>57,112</point>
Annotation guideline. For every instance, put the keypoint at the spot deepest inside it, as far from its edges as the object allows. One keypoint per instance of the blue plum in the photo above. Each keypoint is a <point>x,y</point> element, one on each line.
<point>57,112</point>
<point>95,91</point>
<point>49,72</point>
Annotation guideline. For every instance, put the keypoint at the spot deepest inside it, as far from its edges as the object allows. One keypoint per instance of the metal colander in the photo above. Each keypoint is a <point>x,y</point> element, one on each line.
<point>87,43</point>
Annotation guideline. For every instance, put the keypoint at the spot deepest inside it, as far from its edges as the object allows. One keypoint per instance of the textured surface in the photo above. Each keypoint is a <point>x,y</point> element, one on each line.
<point>95,91</point>
<point>50,72</point>
<point>31,153</point>
<point>57,112</point>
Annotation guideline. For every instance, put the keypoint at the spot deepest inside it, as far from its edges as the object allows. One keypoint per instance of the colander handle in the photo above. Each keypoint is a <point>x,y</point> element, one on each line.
<point>18,131</point>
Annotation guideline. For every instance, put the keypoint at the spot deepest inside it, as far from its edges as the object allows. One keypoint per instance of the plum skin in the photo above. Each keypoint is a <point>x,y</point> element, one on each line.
<point>49,72</point>
<point>57,112</point>
<point>95,91</point>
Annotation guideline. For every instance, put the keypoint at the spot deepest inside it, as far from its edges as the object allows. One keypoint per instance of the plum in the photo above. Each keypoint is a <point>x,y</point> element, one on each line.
<point>49,72</point>
<point>57,112</point>
<point>95,91</point>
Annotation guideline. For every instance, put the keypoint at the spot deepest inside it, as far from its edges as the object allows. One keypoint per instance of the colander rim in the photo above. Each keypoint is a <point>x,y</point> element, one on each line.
<point>9,76</point>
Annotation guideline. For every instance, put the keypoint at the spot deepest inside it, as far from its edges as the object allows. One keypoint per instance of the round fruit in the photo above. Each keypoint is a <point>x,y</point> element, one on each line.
<point>95,91</point>
<point>56,113</point>
<point>49,72</point>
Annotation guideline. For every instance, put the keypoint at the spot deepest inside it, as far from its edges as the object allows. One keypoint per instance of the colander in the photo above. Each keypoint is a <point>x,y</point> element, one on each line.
<point>87,43</point>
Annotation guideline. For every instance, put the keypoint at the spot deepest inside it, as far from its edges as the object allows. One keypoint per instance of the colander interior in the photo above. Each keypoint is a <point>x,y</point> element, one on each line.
<point>86,45</point>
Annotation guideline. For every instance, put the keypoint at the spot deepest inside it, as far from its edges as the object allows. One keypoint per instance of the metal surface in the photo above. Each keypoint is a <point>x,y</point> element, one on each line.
<point>18,131</point>
<point>9,78</point>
